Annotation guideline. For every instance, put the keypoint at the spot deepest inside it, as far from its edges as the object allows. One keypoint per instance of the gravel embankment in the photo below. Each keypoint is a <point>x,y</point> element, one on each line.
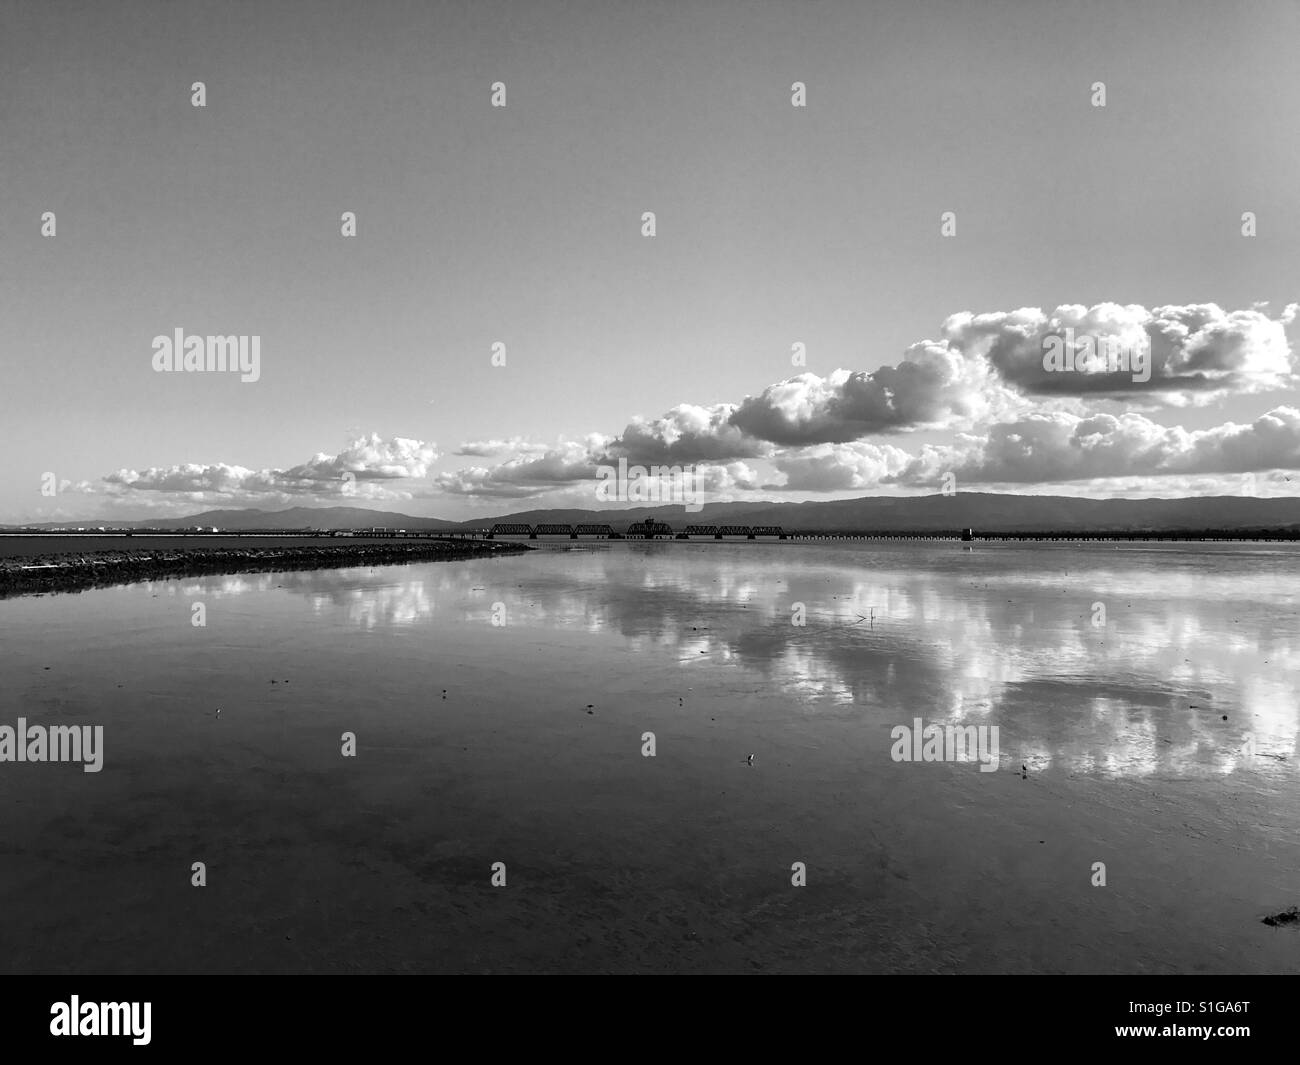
<point>74,571</point>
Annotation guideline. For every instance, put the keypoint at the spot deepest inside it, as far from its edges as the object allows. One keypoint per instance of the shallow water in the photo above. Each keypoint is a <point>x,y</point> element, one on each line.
<point>1161,740</point>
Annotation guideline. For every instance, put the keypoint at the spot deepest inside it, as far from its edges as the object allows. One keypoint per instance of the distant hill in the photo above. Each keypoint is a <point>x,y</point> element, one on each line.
<point>988,512</point>
<point>292,518</point>
<point>303,518</point>
<point>982,511</point>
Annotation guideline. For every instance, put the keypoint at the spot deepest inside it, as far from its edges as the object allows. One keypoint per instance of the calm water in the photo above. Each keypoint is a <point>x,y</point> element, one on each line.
<point>469,686</point>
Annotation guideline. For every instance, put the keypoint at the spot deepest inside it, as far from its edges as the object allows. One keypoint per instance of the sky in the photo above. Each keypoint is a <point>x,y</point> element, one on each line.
<point>1160,229</point>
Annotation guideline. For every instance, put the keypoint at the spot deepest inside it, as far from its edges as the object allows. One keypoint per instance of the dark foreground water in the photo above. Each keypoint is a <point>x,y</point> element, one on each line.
<point>1150,693</point>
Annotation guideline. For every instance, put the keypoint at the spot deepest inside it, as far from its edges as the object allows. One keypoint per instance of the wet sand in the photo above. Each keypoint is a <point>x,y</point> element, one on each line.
<point>681,862</point>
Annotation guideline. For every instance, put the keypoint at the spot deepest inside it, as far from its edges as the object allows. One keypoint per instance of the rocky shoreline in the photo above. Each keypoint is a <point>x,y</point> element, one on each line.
<point>74,572</point>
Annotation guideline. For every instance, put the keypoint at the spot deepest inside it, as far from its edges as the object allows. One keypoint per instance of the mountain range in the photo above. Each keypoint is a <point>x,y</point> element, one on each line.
<point>982,511</point>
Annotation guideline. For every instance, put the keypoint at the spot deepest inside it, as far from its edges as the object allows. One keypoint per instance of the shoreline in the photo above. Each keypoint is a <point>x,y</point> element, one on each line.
<point>80,571</point>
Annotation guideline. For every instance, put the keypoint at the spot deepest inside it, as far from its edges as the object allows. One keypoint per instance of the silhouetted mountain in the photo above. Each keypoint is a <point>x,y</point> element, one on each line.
<point>292,518</point>
<point>978,510</point>
<point>982,511</point>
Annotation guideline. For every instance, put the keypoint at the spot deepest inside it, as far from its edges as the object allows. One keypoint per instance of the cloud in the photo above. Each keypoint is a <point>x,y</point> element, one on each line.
<point>1059,446</point>
<point>934,385</point>
<point>717,483</point>
<point>986,369</point>
<point>841,467</point>
<point>1197,353</point>
<point>516,445</point>
<point>983,380</point>
<point>686,434</point>
<point>370,458</point>
<point>370,467</point>
<point>990,367</point>
<point>524,476</point>
<point>571,472</point>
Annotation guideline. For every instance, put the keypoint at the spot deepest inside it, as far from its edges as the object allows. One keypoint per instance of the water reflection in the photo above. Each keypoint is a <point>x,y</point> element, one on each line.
<point>1008,635</point>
